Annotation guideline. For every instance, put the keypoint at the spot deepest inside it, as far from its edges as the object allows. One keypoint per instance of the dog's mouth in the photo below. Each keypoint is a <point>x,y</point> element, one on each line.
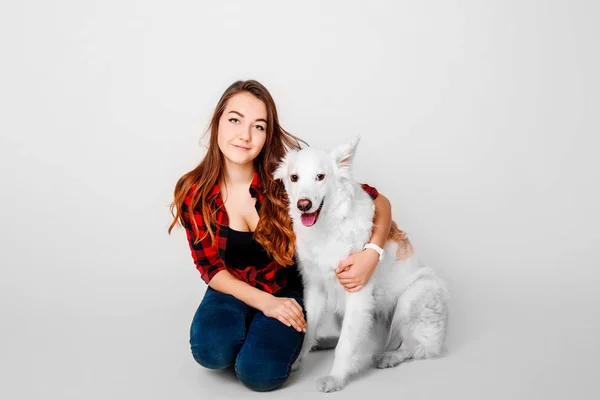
<point>309,219</point>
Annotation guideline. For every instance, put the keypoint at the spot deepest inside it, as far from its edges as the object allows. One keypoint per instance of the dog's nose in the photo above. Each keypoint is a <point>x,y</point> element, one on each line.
<point>304,204</point>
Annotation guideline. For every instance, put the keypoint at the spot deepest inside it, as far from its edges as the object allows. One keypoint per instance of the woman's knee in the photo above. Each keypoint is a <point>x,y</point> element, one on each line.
<point>261,376</point>
<point>215,347</point>
<point>213,357</point>
<point>217,332</point>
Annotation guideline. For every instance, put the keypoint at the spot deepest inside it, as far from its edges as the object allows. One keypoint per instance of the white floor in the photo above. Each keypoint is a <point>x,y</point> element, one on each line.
<point>500,347</point>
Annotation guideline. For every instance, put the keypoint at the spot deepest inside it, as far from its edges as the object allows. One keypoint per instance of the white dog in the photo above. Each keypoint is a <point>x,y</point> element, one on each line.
<point>332,218</point>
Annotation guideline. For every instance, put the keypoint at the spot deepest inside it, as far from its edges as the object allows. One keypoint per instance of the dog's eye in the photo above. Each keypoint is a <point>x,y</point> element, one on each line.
<point>294,177</point>
<point>320,177</point>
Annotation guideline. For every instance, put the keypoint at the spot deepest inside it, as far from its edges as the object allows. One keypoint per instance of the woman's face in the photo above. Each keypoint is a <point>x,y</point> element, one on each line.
<point>242,128</point>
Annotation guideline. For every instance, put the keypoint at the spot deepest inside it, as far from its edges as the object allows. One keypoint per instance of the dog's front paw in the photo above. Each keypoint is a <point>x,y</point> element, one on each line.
<point>329,383</point>
<point>297,364</point>
<point>387,360</point>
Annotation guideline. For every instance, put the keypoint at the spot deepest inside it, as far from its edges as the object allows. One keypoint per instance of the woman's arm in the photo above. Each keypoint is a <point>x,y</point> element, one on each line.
<point>286,310</point>
<point>356,270</point>
<point>225,282</point>
<point>382,222</point>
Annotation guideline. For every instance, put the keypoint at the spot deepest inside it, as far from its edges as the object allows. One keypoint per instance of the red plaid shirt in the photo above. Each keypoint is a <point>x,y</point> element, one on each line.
<point>210,259</point>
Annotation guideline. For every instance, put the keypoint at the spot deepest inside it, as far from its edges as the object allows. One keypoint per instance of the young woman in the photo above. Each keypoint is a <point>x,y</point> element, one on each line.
<point>241,240</point>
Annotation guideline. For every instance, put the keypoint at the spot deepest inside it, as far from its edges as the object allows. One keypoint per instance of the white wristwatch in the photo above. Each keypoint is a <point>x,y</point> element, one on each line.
<point>376,248</point>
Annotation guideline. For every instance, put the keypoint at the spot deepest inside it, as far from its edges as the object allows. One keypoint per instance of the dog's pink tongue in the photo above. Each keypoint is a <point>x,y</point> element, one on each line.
<point>308,219</point>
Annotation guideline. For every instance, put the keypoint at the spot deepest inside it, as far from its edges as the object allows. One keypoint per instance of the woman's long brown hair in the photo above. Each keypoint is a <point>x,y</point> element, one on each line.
<point>274,230</point>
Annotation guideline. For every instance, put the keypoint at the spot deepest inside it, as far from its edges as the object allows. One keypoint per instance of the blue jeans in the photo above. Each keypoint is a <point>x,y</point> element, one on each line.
<point>226,332</point>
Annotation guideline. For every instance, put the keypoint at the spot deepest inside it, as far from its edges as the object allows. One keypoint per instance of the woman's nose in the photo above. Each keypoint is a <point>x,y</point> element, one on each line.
<point>245,134</point>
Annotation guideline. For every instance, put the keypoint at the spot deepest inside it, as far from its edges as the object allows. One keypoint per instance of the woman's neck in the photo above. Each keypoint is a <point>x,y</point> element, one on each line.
<point>238,175</point>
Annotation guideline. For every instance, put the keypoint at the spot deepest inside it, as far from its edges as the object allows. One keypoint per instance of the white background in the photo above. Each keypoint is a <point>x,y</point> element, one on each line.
<point>479,121</point>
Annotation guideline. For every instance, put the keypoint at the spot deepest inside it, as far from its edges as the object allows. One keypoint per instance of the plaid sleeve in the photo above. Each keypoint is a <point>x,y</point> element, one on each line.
<point>371,191</point>
<point>204,253</point>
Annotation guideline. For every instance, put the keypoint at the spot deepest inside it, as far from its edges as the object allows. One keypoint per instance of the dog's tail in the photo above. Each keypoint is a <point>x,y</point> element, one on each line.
<point>325,343</point>
<point>405,248</point>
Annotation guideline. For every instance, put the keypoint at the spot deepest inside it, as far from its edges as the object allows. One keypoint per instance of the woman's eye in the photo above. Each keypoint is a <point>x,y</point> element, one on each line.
<point>320,177</point>
<point>294,178</point>
<point>259,127</point>
<point>234,120</point>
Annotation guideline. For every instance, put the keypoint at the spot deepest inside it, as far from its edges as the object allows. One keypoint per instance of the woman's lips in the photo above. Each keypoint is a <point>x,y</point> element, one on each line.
<point>241,148</point>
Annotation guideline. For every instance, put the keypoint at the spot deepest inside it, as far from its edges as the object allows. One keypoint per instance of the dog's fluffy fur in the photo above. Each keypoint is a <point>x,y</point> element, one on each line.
<point>404,297</point>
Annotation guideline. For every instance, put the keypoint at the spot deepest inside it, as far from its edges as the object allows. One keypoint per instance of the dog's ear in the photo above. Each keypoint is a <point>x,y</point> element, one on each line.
<point>282,168</point>
<point>344,154</point>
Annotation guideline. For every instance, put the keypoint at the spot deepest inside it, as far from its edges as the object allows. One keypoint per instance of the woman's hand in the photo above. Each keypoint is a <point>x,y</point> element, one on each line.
<point>355,270</point>
<point>286,310</point>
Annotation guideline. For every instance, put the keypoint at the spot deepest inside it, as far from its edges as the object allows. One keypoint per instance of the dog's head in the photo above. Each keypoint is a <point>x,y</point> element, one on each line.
<point>312,176</point>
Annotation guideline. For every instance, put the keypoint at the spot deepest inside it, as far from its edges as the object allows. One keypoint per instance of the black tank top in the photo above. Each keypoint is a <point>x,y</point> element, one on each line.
<point>243,250</point>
